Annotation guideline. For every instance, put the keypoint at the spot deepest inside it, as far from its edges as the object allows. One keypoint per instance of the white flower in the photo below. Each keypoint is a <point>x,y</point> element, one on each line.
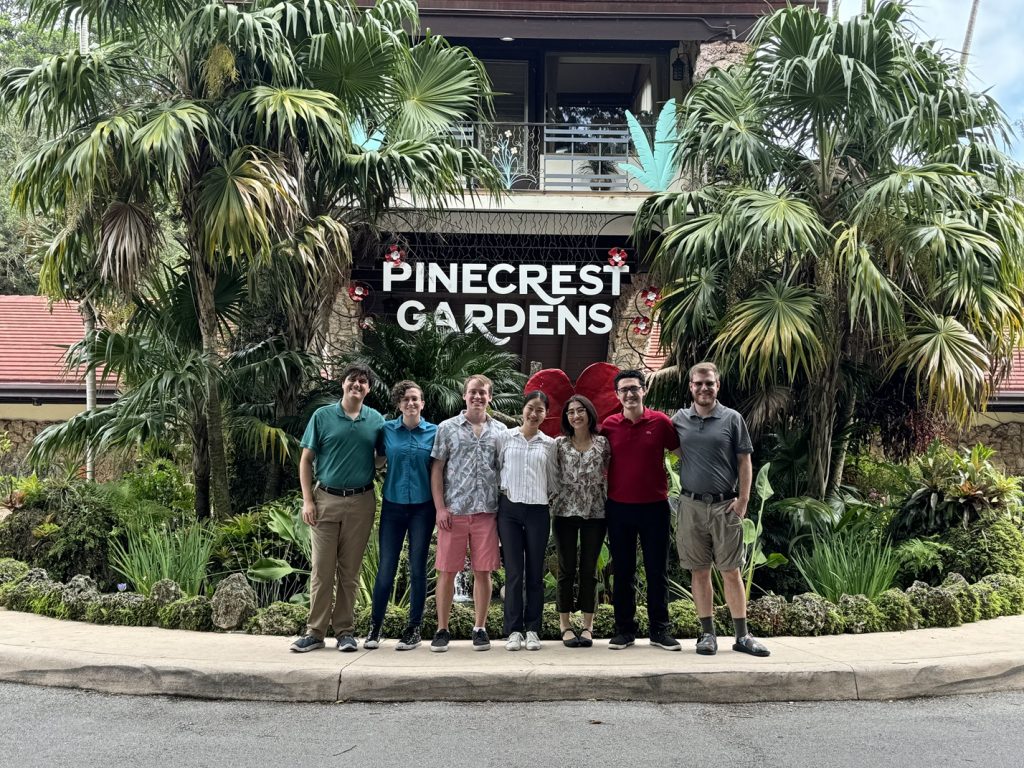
<point>515,150</point>
<point>494,150</point>
<point>508,134</point>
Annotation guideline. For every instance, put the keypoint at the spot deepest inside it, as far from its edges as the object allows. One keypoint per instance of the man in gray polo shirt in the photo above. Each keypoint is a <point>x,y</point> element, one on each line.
<point>715,472</point>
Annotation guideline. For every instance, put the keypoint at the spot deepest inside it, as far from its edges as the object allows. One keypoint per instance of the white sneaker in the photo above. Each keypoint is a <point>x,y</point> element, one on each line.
<point>515,642</point>
<point>532,641</point>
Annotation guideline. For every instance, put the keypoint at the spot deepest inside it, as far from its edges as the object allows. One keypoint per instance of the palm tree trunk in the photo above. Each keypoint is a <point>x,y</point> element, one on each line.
<point>201,464</point>
<point>968,39</point>
<point>88,313</point>
<point>219,488</point>
<point>835,476</point>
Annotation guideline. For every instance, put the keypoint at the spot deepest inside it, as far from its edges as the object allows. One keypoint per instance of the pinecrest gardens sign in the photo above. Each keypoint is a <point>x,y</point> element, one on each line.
<point>547,284</point>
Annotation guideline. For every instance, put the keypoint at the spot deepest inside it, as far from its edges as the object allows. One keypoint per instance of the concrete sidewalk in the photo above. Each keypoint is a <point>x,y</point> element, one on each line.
<point>980,657</point>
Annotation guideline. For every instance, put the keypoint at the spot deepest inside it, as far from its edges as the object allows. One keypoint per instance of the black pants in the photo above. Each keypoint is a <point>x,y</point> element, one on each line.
<point>523,530</point>
<point>652,524</point>
<point>574,534</point>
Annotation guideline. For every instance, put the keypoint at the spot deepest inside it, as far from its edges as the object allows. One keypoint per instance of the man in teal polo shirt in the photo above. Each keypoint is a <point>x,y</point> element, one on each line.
<point>338,447</point>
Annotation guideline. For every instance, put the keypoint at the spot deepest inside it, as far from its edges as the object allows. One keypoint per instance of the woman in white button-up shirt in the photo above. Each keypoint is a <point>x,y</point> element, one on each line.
<point>525,474</point>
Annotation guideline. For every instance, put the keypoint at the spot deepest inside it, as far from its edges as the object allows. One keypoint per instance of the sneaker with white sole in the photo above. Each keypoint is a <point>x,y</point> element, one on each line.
<point>440,641</point>
<point>348,643</point>
<point>481,642</point>
<point>373,639</point>
<point>410,639</point>
<point>307,643</point>
<point>514,642</point>
<point>532,641</point>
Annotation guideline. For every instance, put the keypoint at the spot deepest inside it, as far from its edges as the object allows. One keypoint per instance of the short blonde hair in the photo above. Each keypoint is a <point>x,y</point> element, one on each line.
<point>705,367</point>
<point>482,379</point>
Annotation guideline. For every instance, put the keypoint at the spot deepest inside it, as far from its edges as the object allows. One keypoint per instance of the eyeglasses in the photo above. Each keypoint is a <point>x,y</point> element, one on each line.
<point>629,390</point>
<point>575,411</point>
<point>703,384</point>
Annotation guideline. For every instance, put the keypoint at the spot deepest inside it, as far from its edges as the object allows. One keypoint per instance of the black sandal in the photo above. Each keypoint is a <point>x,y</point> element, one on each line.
<point>586,642</point>
<point>571,642</point>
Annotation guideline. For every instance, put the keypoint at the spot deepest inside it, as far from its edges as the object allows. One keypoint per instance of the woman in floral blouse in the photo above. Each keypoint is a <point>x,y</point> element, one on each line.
<point>577,508</point>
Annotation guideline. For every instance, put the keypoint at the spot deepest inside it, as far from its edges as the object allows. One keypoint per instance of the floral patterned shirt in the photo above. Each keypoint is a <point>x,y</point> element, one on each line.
<point>581,485</point>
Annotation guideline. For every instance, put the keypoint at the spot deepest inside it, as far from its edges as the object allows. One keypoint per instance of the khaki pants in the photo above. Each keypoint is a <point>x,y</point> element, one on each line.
<point>339,541</point>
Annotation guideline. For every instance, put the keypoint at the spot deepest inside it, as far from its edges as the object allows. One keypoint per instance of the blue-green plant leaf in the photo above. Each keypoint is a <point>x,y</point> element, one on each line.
<point>656,169</point>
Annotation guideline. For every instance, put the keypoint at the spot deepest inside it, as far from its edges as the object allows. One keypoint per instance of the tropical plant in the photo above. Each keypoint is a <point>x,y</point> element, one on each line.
<point>151,554</point>
<point>439,360</point>
<point>853,225</point>
<point>657,167</point>
<point>846,562</point>
<point>234,118</point>
<point>752,534</point>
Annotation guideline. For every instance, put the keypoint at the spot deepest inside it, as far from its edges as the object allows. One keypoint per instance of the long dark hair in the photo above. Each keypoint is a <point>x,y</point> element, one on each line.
<point>588,406</point>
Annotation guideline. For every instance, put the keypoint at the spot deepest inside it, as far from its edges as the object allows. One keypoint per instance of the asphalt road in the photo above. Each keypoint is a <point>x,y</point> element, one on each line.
<point>54,727</point>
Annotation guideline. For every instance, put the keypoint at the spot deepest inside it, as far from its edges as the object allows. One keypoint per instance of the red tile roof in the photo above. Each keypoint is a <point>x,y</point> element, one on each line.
<point>1013,383</point>
<point>33,339</point>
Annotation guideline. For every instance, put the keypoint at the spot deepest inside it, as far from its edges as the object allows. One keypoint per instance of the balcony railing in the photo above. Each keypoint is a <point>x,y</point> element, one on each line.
<point>556,157</point>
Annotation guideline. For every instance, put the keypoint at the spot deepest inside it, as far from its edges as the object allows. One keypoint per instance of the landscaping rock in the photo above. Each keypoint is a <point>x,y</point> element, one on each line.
<point>128,609</point>
<point>11,570</point>
<point>165,592</point>
<point>75,598</point>
<point>193,613</point>
<point>683,621</point>
<point>766,616</point>
<point>31,593</point>
<point>278,619</point>
<point>234,602</point>
<point>898,612</point>
<point>938,606</point>
<point>1010,589</point>
<point>970,609</point>
<point>991,604</point>
<point>860,615</point>
<point>810,615</point>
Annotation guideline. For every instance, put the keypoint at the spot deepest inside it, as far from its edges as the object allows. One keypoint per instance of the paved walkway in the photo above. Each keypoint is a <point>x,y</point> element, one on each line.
<point>980,657</point>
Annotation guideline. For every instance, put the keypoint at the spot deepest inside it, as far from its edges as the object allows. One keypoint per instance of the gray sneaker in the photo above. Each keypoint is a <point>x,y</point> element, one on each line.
<point>306,643</point>
<point>347,644</point>
<point>707,644</point>
<point>481,642</point>
<point>410,639</point>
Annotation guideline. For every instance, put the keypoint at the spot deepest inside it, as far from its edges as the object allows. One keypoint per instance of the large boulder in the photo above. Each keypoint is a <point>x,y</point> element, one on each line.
<point>234,602</point>
<point>165,592</point>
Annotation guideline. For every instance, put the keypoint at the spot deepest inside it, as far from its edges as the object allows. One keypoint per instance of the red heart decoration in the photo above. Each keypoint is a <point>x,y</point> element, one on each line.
<point>597,382</point>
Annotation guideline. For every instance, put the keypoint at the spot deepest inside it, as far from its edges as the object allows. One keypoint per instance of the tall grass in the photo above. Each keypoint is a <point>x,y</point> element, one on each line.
<point>152,554</point>
<point>848,562</point>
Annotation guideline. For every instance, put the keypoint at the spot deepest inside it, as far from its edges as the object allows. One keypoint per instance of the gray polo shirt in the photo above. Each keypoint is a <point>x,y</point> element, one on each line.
<point>709,445</point>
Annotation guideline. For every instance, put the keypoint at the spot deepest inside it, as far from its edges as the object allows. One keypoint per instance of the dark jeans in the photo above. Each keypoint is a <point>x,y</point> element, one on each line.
<point>395,521</point>
<point>523,530</point>
<point>574,534</point>
<point>652,524</point>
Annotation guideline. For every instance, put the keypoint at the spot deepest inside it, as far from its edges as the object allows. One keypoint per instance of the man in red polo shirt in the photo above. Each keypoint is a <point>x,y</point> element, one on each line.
<point>637,507</point>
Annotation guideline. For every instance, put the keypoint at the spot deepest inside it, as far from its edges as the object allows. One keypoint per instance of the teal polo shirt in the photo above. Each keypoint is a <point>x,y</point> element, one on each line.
<point>408,452</point>
<point>344,447</point>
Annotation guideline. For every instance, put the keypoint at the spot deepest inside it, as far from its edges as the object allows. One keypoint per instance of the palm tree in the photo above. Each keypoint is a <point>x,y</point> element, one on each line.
<point>238,120</point>
<point>853,223</point>
<point>965,54</point>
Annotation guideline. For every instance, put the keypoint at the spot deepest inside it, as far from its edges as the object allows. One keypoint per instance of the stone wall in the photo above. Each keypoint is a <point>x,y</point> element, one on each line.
<point>1006,437</point>
<point>625,347</point>
<point>721,55</point>
<point>21,433</point>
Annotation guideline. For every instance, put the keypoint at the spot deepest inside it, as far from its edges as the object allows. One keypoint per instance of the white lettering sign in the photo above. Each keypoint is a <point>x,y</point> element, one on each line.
<point>549,285</point>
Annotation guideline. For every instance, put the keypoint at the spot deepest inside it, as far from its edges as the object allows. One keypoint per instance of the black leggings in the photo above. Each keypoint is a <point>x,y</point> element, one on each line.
<point>586,536</point>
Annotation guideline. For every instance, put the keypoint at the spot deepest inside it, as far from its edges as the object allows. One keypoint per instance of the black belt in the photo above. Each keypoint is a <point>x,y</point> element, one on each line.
<point>346,491</point>
<point>709,498</point>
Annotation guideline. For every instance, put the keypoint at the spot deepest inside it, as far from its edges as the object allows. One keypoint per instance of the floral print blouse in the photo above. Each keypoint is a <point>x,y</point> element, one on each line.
<point>581,485</point>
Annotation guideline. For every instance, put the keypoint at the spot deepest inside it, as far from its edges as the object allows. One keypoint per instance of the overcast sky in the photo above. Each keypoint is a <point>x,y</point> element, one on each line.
<point>996,59</point>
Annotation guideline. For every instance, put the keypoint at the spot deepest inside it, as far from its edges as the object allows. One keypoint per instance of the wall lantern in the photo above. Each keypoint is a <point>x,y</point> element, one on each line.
<point>680,67</point>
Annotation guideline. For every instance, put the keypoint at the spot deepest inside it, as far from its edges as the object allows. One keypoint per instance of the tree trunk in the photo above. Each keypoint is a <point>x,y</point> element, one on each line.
<point>201,465</point>
<point>88,313</point>
<point>843,422</point>
<point>968,39</point>
<point>219,488</point>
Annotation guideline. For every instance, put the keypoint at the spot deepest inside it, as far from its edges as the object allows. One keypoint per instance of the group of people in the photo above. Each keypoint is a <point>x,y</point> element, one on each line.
<point>498,493</point>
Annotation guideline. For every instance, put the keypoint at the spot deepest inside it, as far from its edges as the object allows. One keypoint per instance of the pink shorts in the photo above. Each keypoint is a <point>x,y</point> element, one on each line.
<point>477,532</point>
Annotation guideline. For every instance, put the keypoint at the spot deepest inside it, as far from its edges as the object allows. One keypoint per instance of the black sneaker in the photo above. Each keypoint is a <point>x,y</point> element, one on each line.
<point>373,639</point>
<point>665,640</point>
<point>441,640</point>
<point>707,644</point>
<point>620,641</point>
<point>307,643</point>
<point>481,642</point>
<point>347,644</point>
<point>410,639</point>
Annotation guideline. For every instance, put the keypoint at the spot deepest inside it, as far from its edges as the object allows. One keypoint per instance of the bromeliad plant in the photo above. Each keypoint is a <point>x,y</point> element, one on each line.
<point>657,167</point>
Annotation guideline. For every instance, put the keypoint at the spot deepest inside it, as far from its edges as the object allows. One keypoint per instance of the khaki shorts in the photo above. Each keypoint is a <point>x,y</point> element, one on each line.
<point>708,533</point>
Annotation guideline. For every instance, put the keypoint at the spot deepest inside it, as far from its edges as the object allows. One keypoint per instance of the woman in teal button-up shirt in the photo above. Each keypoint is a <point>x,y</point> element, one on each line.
<point>407,508</point>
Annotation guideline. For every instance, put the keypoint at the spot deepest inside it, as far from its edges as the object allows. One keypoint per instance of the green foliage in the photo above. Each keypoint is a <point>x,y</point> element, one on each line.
<point>753,528</point>
<point>33,587</point>
<point>847,562</point>
<point>809,615</point>
<point>273,548</point>
<point>682,617</point>
<point>970,607</point>
<point>128,609</point>
<point>396,619</point>
<point>991,604</point>
<point>955,487</point>
<point>938,606</point>
<point>879,481</point>
<point>161,481</point>
<point>920,558</point>
<point>604,621</point>
<point>11,570</point>
<point>1010,589</point>
<point>860,615</point>
<point>278,619</point>
<point>898,612</point>
<point>989,545</point>
<point>192,613</point>
<point>766,616</point>
<point>152,554</point>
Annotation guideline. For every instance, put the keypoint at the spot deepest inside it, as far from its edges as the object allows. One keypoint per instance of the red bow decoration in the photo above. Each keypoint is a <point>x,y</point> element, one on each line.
<point>597,383</point>
<point>650,295</point>
<point>358,291</point>
<point>394,255</point>
<point>617,257</point>
<point>641,325</point>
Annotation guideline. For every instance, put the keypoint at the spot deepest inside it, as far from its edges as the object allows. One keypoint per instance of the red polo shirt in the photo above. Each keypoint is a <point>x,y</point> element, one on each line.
<point>636,474</point>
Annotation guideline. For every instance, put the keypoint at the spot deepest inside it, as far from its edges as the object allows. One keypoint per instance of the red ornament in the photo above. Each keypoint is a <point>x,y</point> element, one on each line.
<point>617,257</point>
<point>394,255</point>
<point>641,325</point>
<point>597,382</point>
<point>358,291</point>
<point>367,323</point>
<point>650,295</point>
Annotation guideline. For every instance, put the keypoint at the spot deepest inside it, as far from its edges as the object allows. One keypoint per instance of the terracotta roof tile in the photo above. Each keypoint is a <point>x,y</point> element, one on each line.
<point>33,339</point>
<point>1014,381</point>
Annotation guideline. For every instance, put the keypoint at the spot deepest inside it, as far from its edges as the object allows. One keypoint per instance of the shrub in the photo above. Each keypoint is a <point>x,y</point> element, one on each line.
<point>682,617</point>
<point>1010,589</point>
<point>604,621</point>
<point>129,609</point>
<point>193,613</point>
<point>396,618</point>
<point>811,615</point>
<point>880,481</point>
<point>848,562</point>
<point>898,612</point>
<point>460,623</point>
<point>860,615</point>
<point>722,620</point>
<point>278,619</point>
<point>34,585</point>
<point>153,554</point>
<point>766,616</point>
<point>991,604</point>
<point>938,606</point>
<point>11,570</point>
<point>161,481</point>
<point>549,623</point>
<point>970,609</point>
<point>990,545</point>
